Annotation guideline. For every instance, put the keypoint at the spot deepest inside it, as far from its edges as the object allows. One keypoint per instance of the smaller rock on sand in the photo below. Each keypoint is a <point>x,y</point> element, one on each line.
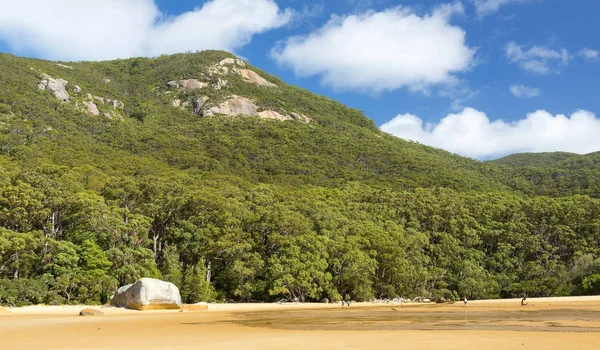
<point>194,307</point>
<point>90,312</point>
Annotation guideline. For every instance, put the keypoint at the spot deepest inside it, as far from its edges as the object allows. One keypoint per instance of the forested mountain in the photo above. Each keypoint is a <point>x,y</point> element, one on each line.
<point>553,174</point>
<point>212,174</point>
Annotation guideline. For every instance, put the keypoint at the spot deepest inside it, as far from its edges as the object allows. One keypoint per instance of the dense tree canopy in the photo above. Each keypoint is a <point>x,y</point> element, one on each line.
<point>241,208</point>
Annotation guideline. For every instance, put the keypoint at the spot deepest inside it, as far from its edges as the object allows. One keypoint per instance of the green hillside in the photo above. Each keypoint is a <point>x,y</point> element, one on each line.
<point>150,170</point>
<point>553,174</point>
<point>540,160</point>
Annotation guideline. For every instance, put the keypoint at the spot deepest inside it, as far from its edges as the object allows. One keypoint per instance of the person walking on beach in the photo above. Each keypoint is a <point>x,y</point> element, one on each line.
<point>466,301</point>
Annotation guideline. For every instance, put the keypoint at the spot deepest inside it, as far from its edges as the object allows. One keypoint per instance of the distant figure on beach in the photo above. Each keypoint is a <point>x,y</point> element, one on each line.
<point>523,303</point>
<point>465,301</point>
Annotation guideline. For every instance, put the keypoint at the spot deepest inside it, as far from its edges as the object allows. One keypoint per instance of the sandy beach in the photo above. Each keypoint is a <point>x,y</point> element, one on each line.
<point>550,323</point>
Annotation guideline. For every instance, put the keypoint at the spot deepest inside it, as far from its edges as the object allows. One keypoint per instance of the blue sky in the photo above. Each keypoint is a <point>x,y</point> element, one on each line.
<point>482,78</point>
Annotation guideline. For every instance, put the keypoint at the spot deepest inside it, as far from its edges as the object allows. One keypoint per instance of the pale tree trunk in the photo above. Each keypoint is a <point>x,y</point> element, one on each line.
<point>208,272</point>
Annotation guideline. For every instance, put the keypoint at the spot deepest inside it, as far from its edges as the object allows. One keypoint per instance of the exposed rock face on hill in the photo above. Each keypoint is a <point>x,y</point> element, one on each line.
<point>148,294</point>
<point>232,61</point>
<point>248,75</point>
<point>64,66</point>
<point>116,104</point>
<point>301,117</point>
<point>220,84</point>
<point>269,114</point>
<point>234,106</point>
<point>241,106</point>
<point>197,104</point>
<point>92,108</point>
<point>252,77</point>
<point>57,86</point>
<point>192,84</point>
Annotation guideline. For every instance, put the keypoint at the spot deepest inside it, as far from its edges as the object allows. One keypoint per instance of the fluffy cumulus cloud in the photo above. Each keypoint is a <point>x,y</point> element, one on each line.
<point>523,91</point>
<point>589,54</point>
<point>105,29</point>
<point>385,50</point>
<point>537,59</point>
<point>486,7</point>
<point>471,133</point>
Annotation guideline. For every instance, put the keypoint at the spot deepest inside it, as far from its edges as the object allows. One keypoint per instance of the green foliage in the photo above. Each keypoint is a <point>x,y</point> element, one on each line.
<point>247,209</point>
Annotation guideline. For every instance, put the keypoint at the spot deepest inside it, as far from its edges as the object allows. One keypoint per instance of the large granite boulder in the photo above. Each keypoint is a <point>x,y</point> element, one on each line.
<point>57,86</point>
<point>148,294</point>
<point>234,106</point>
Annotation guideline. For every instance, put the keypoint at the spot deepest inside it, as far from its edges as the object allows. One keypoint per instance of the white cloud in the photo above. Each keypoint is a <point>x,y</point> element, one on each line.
<point>537,59</point>
<point>471,133</point>
<point>589,54</point>
<point>523,91</point>
<point>105,29</point>
<point>486,7</point>
<point>378,51</point>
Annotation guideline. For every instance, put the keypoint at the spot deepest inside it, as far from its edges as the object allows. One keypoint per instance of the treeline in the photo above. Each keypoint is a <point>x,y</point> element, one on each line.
<point>224,239</point>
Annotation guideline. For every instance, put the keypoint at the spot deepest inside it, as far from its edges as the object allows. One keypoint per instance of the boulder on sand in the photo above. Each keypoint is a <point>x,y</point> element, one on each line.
<point>148,294</point>
<point>90,312</point>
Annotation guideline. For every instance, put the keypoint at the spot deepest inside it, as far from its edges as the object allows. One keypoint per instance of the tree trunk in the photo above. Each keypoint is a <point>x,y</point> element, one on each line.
<point>208,272</point>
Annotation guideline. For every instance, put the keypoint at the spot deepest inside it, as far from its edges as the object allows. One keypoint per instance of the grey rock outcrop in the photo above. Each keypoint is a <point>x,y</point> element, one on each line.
<point>192,84</point>
<point>301,117</point>
<point>76,89</point>
<point>269,114</point>
<point>197,104</point>
<point>252,77</point>
<point>57,86</point>
<point>148,294</point>
<point>92,108</point>
<point>232,61</point>
<point>234,106</point>
<point>64,66</point>
<point>90,312</point>
<point>220,84</point>
<point>117,104</point>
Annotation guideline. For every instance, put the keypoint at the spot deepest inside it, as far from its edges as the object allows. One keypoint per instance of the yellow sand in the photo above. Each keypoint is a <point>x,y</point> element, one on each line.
<point>554,323</point>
